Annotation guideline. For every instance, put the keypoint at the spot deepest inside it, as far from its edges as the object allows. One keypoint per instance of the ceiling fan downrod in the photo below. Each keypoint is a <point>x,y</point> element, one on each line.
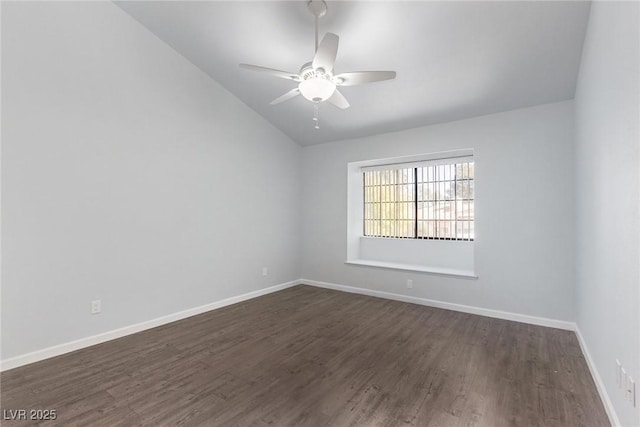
<point>318,9</point>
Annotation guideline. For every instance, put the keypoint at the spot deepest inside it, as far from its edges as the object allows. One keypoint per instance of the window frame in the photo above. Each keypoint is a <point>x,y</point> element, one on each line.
<point>450,161</point>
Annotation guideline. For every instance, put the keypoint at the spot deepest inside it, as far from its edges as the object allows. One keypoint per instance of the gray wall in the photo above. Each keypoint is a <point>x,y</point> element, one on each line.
<point>608,195</point>
<point>524,211</point>
<point>129,176</point>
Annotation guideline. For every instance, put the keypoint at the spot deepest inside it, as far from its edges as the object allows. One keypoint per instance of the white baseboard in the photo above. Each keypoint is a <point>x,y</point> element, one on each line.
<point>524,318</point>
<point>67,347</point>
<point>604,396</point>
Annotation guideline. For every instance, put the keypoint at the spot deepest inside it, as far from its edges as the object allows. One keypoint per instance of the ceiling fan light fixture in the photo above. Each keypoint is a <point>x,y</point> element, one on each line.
<point>317,89</point>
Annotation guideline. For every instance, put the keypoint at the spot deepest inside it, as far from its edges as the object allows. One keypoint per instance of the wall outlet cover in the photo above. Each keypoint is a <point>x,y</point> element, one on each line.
<point>96,306</point>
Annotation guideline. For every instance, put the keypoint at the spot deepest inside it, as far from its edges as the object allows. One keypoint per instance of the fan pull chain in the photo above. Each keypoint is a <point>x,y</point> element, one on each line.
<point>315,115</point>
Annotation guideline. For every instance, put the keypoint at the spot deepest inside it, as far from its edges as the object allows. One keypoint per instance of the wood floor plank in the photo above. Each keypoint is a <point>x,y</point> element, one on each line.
<point>307,356</point>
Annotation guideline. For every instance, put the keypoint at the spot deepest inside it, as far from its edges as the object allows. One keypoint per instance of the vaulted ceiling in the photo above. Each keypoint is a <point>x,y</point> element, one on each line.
<point>454,60</point>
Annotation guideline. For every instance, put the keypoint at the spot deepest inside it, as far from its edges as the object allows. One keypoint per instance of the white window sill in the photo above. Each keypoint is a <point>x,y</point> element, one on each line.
<point>419,268</point>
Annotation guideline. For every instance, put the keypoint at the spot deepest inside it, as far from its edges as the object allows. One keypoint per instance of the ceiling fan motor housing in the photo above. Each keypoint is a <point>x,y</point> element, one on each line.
<point>307,71</point>
<point>316,85</point>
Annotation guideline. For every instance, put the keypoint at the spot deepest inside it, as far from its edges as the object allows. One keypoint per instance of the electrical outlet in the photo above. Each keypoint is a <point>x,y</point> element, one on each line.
<point>96,306</point>
<point>626,383</point>
<point>409,284</point>
<point>264,271</point>
<point>630,391</point>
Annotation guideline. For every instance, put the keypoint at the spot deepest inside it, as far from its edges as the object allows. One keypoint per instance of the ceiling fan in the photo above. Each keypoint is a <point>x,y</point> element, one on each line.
<point>316,80</point>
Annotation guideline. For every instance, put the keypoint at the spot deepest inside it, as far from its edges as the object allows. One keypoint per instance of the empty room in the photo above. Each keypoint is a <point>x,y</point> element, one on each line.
<point>320,213</point>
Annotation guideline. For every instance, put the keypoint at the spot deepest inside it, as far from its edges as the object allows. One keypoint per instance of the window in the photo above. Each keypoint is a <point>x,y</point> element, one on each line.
<point>424,200</point>
<point>413,213</point>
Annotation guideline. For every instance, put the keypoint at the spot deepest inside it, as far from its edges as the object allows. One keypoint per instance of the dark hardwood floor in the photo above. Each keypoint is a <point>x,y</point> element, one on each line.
<point>313,357</point>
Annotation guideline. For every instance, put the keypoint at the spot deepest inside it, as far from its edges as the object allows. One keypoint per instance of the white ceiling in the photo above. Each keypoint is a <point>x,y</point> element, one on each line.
<point>454,60</point>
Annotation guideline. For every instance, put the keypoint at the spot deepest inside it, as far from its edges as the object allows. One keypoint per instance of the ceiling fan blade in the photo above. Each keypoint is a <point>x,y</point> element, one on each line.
<point>278,73</point>
<point>339,100</point>
<point>325,56</point>
<point>362,77</point>
<point>291,94</point>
